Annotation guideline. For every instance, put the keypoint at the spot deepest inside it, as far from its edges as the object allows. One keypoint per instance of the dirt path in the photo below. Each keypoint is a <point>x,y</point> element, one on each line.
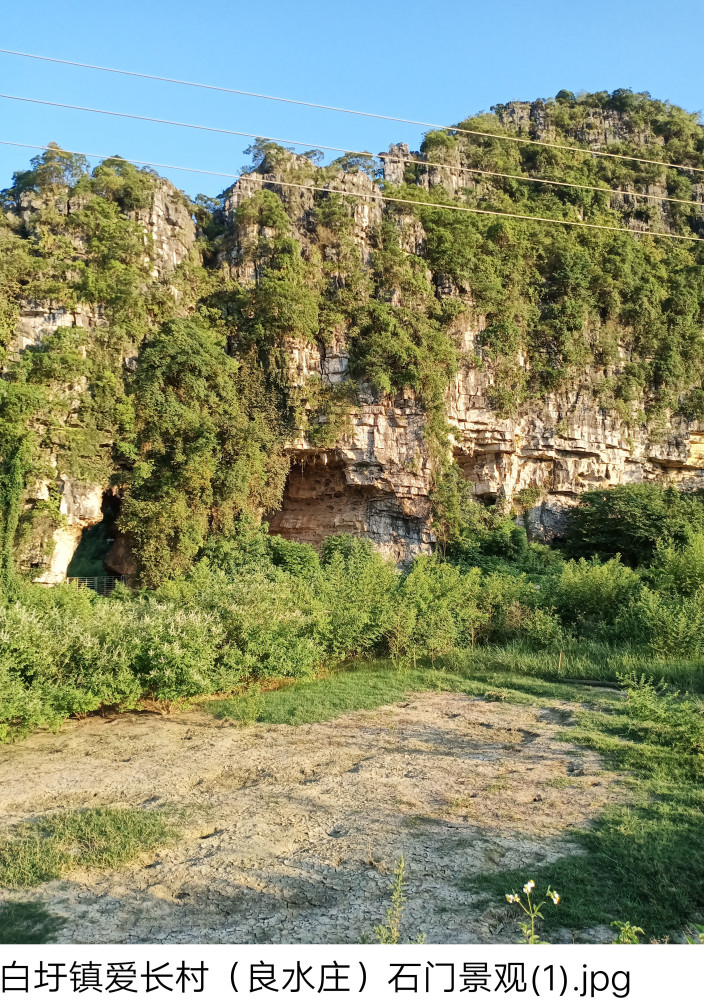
<point>292,832</point>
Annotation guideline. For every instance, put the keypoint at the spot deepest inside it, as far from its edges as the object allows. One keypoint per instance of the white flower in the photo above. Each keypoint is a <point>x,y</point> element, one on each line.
<point>511,897</point>
<point>528,887</point>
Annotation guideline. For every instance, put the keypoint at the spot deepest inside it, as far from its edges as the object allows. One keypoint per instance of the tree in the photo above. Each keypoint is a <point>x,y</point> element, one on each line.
<point>205,443</point>
<point>631,519</point>
<point>55,167</point>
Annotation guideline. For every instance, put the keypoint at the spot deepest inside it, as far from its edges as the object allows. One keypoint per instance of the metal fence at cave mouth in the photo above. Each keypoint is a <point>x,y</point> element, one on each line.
<point>103,585</point>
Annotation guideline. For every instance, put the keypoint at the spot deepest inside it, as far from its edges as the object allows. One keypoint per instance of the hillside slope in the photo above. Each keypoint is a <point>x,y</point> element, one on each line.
<point>319,357</point>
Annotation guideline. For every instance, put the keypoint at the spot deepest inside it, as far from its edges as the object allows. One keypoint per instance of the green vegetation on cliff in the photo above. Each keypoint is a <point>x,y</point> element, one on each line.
<point>617,316</point>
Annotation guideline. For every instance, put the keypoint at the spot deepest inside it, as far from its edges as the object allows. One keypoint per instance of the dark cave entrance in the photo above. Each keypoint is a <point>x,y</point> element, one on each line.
<point>96,541</point>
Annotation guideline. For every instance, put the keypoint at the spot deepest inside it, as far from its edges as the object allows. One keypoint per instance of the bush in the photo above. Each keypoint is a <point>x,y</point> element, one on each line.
<point>588,596</point>
<point>679,570</point>
<point>543,630</point>
<point>507,599</point>
<point>256,607</point>
<point>632,520</point>
<point>669,627</point>
<point>355,589</point>
<point>438,610</point>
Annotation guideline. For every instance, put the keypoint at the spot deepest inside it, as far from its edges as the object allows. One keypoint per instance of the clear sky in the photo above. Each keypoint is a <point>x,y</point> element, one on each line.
<point>436,62</point>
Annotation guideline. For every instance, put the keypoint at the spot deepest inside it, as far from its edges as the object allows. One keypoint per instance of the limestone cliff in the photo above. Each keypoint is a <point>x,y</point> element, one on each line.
<point>376,479</point>
<point>371,473</point>
<point>168,234</point>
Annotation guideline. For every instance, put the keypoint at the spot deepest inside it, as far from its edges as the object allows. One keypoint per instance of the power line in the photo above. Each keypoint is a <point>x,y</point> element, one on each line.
<point>168,121</point>
<point>350,111</point>
<point>353,152</point>
<point>380,197</point>
<point>554,183</point>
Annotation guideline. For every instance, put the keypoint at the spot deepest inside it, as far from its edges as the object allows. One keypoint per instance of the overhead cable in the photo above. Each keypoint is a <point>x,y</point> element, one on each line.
<point>351,152</point>
<point>350,111</point>
<point>275,182</point>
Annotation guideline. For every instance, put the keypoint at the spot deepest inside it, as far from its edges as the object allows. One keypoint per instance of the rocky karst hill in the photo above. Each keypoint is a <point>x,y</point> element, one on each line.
<point>319,357</point>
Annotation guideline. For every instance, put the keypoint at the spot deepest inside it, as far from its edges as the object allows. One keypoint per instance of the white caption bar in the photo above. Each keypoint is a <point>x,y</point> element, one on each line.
<point>640,972</point>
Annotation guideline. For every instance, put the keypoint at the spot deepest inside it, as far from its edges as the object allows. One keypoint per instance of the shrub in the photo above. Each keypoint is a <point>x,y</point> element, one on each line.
<point>590,595</point>
<point>355,590</point>
<point>439,608</point>
<point>543,630</point>
<point>669,627</point>
<point>506,599</point>
<point>631,520</point>
<point>679,570</point>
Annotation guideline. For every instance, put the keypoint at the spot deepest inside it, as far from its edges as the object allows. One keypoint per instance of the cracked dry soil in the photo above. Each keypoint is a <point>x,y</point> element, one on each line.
<point>291,834</point>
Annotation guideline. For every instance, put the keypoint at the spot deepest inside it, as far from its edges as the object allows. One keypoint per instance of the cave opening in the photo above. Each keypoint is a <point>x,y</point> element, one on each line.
<point>318,502</point>
<point>96,541</point>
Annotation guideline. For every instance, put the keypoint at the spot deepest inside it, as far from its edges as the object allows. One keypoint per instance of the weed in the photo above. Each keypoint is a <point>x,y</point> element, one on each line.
<point>92,838</point>
<point>627,933</point>
<point>531,909</point>
<point>247,709</point>
<point>390,931</point>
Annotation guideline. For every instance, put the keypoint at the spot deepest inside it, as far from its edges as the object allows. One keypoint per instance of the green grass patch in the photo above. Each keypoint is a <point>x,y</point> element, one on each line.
<point>378,683</point>
<point>27,923</point>
<point>39,851</point>
<point>584,661</point>
<point>641,862</point>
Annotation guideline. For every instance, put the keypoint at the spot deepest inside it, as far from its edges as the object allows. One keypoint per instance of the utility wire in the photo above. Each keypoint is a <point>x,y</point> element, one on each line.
<point>275,182</point>
<point>353,152</point>
<point>350,111</point>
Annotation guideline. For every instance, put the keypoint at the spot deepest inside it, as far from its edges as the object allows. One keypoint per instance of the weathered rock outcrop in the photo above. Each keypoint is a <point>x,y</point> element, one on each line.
<point>169,234</point>
<point>80,507</point>
<point>558,449</point>
<point>374,478</point>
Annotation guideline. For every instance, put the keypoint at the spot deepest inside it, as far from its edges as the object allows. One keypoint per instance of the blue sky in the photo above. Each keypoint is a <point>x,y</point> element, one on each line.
<point>434,62</point>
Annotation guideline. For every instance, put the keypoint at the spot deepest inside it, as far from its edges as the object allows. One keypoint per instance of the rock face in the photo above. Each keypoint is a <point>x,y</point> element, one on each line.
<point>560,449</point>
<point>169,227</point>
<point>169,234</point>
<point>79,507</point>
<point>374,480</point>
<point>38,319</point>
<point>374,483</point>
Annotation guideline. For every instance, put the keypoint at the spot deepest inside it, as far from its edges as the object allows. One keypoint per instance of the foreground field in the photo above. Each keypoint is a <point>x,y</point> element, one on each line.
<point>291,832</point>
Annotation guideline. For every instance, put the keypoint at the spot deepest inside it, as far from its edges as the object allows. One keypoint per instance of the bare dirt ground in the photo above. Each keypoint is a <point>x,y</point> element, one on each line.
<point>292,833</point>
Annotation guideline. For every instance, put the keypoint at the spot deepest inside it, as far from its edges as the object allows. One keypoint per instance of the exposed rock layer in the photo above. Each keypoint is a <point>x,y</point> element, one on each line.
<point>375,479</point>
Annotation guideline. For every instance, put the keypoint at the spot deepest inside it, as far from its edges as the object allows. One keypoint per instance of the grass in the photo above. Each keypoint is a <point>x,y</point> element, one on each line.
<point>499,673</point>
<point>642,862</point>
<point>583,661</point>
<point>39,851</point>
<point>27,923</point>
<point>377,683</point>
